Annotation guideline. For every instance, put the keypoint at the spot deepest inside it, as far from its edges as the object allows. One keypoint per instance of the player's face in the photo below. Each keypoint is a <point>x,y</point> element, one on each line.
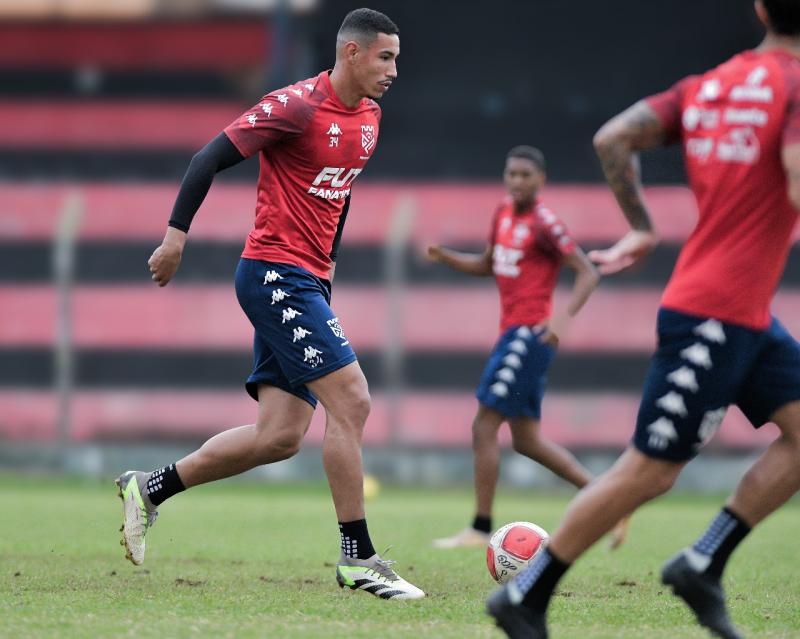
<point>522,179</point>
<point>377,65</point>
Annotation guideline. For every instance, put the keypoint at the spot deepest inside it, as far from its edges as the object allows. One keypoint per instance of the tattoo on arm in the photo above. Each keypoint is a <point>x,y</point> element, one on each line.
<point>617,143</point>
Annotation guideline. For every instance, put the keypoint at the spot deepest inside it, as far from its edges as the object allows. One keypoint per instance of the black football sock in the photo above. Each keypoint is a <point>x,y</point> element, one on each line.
<point>163,484</point>
<point>719,540</point>
<point>356,543</point>
<point>539,580</point>
<point>484,524</point>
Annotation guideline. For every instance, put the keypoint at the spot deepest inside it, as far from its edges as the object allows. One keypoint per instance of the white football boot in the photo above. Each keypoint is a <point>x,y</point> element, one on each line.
<point>375,576</point>
<point>137,512</point>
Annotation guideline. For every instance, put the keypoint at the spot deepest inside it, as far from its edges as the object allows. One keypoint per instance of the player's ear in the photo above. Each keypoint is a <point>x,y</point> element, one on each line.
<point>351,51</point>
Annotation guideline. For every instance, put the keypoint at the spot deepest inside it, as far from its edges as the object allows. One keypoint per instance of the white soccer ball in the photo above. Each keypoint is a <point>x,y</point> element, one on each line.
<point>513,547</point>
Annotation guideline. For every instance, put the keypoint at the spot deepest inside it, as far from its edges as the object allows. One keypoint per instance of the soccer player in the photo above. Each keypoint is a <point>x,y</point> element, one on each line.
<point>527,246</point>
<point>313,138</point>
<point>739,125</point>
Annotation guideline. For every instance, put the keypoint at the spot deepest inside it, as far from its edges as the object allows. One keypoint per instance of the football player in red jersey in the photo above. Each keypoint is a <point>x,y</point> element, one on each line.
<point>313,138</point>
<point>739,126</point>
<point>527,246</point>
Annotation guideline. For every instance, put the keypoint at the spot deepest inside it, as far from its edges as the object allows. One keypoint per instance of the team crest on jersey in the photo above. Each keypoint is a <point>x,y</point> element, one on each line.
<point>367,137</point>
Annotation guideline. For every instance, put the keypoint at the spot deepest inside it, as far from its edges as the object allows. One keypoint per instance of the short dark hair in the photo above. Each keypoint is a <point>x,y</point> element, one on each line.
<point>367,23</point>
<point>784,16</point>
<point>528,153</point>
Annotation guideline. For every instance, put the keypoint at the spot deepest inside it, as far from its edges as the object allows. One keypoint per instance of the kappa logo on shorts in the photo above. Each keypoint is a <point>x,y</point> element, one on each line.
<point>311,356</point>
<point>289,314</point>
<point>518,346</point>
<point>507,375</point>
<point>300,333</point>
<point>699,355</point>
<point>662,432</point>
<point>712,330</point>
<point>500,389</point>
<point>336,329</point>
<point>272,276</point>
<point>513,360</point>
<point>685,378</point>
<point>673,403</point>
<point>278,295</point>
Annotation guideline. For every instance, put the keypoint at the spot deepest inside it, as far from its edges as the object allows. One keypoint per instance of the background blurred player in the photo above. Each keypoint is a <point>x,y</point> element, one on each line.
<point>527,246</point>
<point>739,125</point>
<point>313,138</point>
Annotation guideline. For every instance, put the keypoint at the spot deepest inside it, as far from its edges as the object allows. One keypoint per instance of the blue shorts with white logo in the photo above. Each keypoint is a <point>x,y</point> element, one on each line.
<point>297,336</point>
<point>515,376</point>
<point>700,367</point>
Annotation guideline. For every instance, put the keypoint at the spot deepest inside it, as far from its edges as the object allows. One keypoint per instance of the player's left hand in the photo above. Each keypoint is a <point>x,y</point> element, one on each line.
<point>630,249</point>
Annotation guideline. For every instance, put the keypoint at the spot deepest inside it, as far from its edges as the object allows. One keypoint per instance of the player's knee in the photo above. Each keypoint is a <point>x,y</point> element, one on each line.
<point>352,412</point>
<point>278,446</point>
<point>527,445</point>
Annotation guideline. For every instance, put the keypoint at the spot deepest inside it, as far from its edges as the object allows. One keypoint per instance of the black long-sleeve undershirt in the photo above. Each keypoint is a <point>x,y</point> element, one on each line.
<point>216,156</point>
<point>339,229</point>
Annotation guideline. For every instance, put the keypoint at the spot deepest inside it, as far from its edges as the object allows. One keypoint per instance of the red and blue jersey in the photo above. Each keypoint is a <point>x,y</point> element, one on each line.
<point>311,147</point>
<point>527,250</point>
<point>732,123</point>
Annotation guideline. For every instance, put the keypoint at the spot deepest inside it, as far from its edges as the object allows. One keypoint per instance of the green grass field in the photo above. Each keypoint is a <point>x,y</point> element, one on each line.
<point>255,560</point>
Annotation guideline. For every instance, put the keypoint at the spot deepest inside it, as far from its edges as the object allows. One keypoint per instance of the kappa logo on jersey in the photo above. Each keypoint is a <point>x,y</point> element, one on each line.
<point>506,261</point>
<point>337,330</point>
<point>710,90</point>
<point>297,92</point>
<point>300,333</point>
<point>337,178</point>
<point>367,137</point>
<point>673,403</point>
<point>311,356</point>
<point>266,107</point>
<point>289,314</point>
<point>309,87</point>
<point>278,295</point>
<point>283,98</point>
<point>252,119</point>
<point>334,131</point>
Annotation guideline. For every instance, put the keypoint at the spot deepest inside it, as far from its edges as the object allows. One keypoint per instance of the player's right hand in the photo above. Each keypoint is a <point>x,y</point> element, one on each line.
<point>435,252</point>
<point>630,249</point>
<point>164,261</point>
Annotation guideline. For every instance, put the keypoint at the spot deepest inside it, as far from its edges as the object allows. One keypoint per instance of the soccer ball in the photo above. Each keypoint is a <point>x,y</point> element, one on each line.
<point>513,547</point>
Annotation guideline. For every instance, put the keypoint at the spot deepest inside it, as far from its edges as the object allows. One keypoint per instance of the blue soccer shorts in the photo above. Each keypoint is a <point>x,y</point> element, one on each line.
<point>297,336</point>
<point>700,367</point>
<point>515,377</point>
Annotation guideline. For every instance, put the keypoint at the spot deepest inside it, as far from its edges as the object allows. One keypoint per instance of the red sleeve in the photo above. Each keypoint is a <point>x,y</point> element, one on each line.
<point>278,116</point>
<point>668,106</point>
<point>553,235</point>
<point>791,124</point>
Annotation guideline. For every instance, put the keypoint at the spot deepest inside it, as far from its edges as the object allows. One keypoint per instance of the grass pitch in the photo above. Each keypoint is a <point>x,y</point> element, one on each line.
<point>255,560</point>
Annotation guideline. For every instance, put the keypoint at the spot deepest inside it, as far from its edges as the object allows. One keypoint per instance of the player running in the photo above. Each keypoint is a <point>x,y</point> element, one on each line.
<point>739,125</point>
<point>527,246</point>
<point>313,138</point>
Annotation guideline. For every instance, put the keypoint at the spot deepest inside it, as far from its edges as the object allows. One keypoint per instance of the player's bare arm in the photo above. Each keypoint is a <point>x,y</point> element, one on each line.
<point>478,264</point>
<point>586,279</point>
<point>217,155</point>
<point>791,163</point>
<point>617,144</point>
